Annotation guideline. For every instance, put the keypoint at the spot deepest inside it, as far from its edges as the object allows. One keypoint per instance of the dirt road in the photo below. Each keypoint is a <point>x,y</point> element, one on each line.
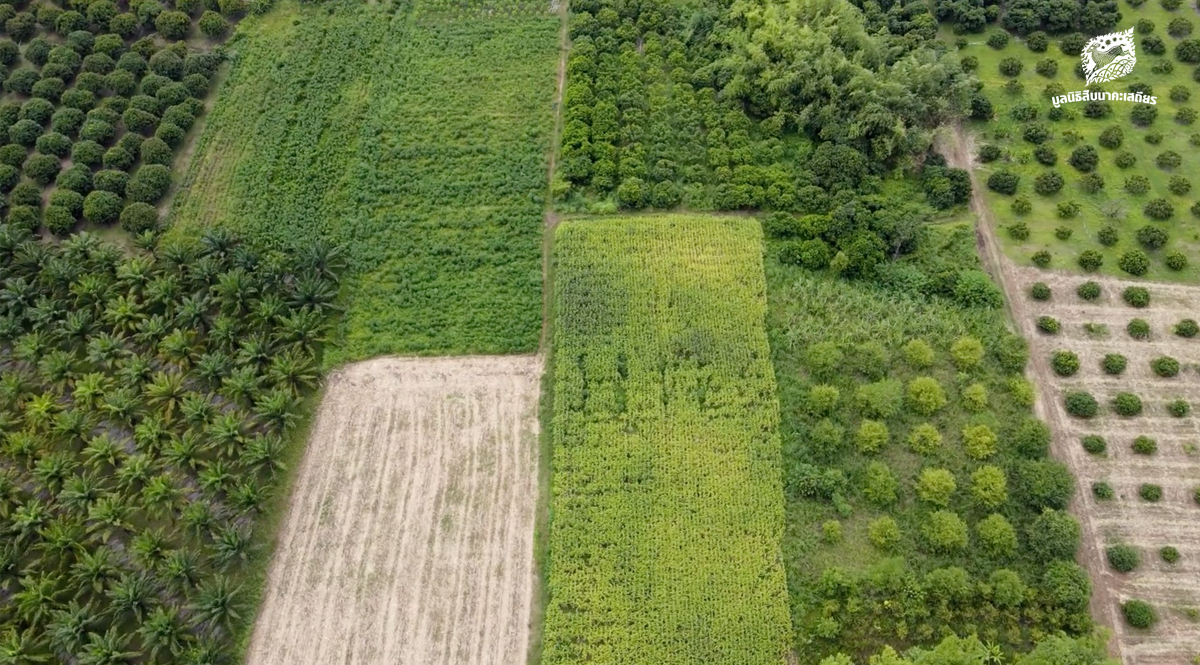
<point>410,535</point>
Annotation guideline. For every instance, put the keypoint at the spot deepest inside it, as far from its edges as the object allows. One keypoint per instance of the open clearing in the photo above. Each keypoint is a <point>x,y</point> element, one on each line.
<point>1173,589</point>
<point>410,535</point>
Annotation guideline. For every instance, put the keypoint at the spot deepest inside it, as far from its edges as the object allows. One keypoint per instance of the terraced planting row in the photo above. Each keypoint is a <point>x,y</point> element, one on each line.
<point>1125,381</point>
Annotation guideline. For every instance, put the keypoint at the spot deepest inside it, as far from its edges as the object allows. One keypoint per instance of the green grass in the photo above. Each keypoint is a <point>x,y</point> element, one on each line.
<point>851,596</point>
<point>413,136</point>
<point>1007,133</point>
<point>666,505</point>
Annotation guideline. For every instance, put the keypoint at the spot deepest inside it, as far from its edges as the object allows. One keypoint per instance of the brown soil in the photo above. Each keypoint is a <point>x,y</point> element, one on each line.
<point>410,533</point>
<point>1172,589</point>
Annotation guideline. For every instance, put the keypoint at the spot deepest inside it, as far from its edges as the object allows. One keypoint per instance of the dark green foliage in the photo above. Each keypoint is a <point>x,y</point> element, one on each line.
<point>1112,137</point>
<point>1108,236</point>
<point>1090,260</point>
<point>167,63</point>
<point>1114,363</point>
<point>1125,159</point>
<point>149,183</point>
<point>25,194</point>
<point>1137,184</point>
<point>1091,183</point>
<point>117,158</point>
<point>88,153</point>
<point>1103,491</point>
<point>1143,115</point>
<point>25,132</point>
<point>1138,614</point>
<point>1175,261</point>
<point>170,134</point>
<point>41,169</point>
<point>1019,231</point>
<point>172,24</point>
<point>1165,366</point>
<point>1036,133</point>
<point>1169,554</point>
<point>1045,154</point>
<point>54,143</point>
<point>1081,404</point>
<point>65,198</point>
<point>78,178</point>
<point>137,120</point>
<point>989,153</point>
<point>1123,558</point>
<point>1041,258</point>
<point>1049,182</point>
<point>58,220</point>
<point>1010,66</point>
<point>1135,262</point>
<point>101,207</point>
<point>1138,329</point>
<point>1004,182</point>
<point>1150,492</point>
<point>1168,159</point>
<point>1127,404</point>
<point>1065,363</point>
<point>1084,158</point>
<point>1136,296</point>
<point>1053,535</point>
<point>139,217</point>
<point>155,151</point>
<point>1048,325</point>
<point>213,25</point>
<point>1094,444</point>
<point>109,180</point>
<point>1039,291</point>
<point>97,130</point>
<point>1187,328</point>
<point>1179,408</point>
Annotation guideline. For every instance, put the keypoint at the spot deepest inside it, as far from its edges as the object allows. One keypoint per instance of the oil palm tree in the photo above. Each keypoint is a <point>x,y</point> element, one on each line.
<point>165,392</point>
<point>217,603</point>
<point>163,634</point>
<point>108,648</point>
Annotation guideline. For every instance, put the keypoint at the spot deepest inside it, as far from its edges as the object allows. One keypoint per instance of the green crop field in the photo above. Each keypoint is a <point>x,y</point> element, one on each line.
<point>915,473</point>
<point>666,500</point>
<point>1129,170</point>
<point>416,137</point>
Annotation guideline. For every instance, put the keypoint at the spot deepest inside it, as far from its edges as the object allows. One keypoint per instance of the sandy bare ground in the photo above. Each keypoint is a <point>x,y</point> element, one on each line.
<point>409,540</point>
<point>1175,520</point>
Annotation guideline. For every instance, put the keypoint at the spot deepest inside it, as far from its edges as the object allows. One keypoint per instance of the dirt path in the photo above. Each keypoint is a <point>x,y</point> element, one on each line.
<point>551,217</point>
<point>959,152</point>
<point>410,533</point>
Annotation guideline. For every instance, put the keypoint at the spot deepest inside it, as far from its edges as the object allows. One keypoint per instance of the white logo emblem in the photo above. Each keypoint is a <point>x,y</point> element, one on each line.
<point>1108,57</point>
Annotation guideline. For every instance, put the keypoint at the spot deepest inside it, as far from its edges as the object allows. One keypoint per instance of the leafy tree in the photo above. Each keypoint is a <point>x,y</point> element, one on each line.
<point>1053,535</point>
<point>989,486</point>
<point>945,531</point>
<point>997,536</point>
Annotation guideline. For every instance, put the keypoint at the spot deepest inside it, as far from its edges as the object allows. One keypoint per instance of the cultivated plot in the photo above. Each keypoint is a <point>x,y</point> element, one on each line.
<point>1138,473</point>
<point>410,536</point>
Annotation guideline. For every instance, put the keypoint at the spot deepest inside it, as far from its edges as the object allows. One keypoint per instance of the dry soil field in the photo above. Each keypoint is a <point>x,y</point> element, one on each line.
<point>1173,589</point>
<point>410,535</point>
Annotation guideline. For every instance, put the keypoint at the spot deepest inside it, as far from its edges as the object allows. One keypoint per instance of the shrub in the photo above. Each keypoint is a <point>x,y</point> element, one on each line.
<point>1091,183</point>
<point>58,220</point>
<point>826,438</point>
<point>1187,328</point>
<point>1094,444</point>
<point>1047,68</point>
<point>78,178</point>
<point>1112,137</point>
<point>117,158</point>
<point>945,531</point>
<point>1041,258</point>
<point>925,395</point>
<point>1138,614</point>
<point>1163,67</point>
<point>975,397</point>
<point>1135,262</point>
<point>1090,260</point>
<point>1154,138</point>
<point>1084,158</point>
<point>871,436</point>
<point>979,441</point>
<point>1137,185</point>
<point>1150,492</point>
<point>1168,159</point>
<point>213,25</point>
<point>1004,182</point>
<point>1143,115</point>
<point>1176,261</point>
<point>1127,404</point>
<point>1011,66</point>
<point>1123,558</point>
<point>1039,291</point>
<point>966,352</point>
<point>1032,438</point>
<point>65,198</point>
<point>1048,183</point>
<point>924,439</point>
<point>1169,554</point>
<point>101,207</point>
<point>1022,391</point>
<point>990,153</point>
<point>1081,404</point>
<point>1185,116</point>
<point>821,398</point>
<point>1125,159</point>
<point>1165,366</point>
<point>155,151</point>
<point>997,39</point>
<point>884,533</point>
<point>1072,44</point>
<point>1114,363</point>
<point>1108,236</point>
<point>110,180</point>
<point>173,25</point>
<point>54,143</point>
<point>880,485</point>
<point>1179,408</point>
<point>1046,155</point>
<point>41,168</point>
<point>989,486</point>
<point>1067,586</point>
<point>918,354</point>
<point>1022,206</point>
<point>1103,490</point>
<point>935,486</point>
<point>1138,329</point>
<point>1136,296</point>
<point>1088,291</point>
<point>1019,230</point>
<point>97,130</point>
<point>1066,210</point>
<point>1065,363</point>
<point>1053,535</point>
<point>149,184</point>
<point>1048,325</point>
<point>88,153</point>
<point>997,536</point>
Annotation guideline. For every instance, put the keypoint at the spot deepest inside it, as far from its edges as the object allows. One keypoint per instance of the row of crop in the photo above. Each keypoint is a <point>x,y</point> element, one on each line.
<point>666,499</point>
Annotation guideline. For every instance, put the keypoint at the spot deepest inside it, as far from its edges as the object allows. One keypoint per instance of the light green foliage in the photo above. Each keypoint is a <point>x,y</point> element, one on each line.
<point>979,441</point>
<point>924,439</point>
<point>975,397</point>
<point>826,437</point>
<point>945,531</point>
<point>822,399</point>
<point>872,435</point>
<point>824,358</point>
<point>925,395</point>
<point>989,486</point>
<point>997,535</point>
<point>831,532</point>
<point>1022,391</point>
<point>884,533</point>
<point>881,399</point>
<point>966,352</point>
<point>415,136</point>
<point>935,486</point>
<point>918,354</point>
<point>881,484</point>
<point>1008,589</point>
<point>709,554</point>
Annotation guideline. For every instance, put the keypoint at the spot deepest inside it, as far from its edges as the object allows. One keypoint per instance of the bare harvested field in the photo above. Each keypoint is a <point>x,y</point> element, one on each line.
<point>1173,589</point>
<point>410,535</point>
